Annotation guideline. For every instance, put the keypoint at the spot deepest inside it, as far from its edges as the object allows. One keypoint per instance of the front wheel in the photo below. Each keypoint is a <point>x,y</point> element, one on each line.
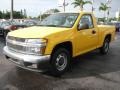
<point>105,48</point>
<point>60,61</point>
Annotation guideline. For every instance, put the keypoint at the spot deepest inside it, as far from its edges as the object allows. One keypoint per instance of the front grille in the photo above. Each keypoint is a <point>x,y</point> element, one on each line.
<point>16,47</point>
<point>11,46</point>
<point>16,39</point>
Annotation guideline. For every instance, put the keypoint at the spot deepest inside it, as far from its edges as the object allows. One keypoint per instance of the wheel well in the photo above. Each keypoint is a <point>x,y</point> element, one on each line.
<point>109,37</point>
<point>66,45</point>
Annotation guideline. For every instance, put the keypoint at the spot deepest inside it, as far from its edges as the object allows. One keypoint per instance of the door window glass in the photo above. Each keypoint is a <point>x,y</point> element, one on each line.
<point>87,19</point>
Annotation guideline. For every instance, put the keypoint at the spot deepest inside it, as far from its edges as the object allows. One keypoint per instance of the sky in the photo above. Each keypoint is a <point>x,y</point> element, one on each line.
<point>35,7</point>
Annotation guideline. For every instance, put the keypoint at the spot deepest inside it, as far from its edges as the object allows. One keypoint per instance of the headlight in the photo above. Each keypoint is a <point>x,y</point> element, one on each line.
<point>36,46</point>
<point>36,42</point>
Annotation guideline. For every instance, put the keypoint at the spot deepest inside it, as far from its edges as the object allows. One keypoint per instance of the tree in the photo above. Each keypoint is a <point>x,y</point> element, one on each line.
<point>81,3</point>
<point>16,15</point>
<point>103,7</point>
<point>43,16</point>
<point>50,11</point>
<point>56,10</point>
<point>47,13</point>
<point>25,13</point>
<point>1,14</point>
<point>7,15</point>
<point>21,11</point>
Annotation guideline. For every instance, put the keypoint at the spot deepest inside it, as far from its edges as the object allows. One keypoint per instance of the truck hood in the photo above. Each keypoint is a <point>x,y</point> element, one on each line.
<point>36,32</point>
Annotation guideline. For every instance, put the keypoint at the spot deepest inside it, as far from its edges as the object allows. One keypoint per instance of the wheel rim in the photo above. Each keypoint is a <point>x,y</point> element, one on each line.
<point>106,46</point>
<point>61,61</point>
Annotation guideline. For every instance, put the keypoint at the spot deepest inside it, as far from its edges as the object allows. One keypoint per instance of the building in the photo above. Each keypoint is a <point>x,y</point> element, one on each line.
<point>118,14</point>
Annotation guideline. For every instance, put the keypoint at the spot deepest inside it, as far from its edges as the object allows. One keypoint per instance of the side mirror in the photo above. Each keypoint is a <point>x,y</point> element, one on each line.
<point>83,26</point>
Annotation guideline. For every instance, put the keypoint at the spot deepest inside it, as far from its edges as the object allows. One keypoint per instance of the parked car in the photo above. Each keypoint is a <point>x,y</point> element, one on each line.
<point>7,26</point>
<point>116,24</point>
<point>30,23</point>
<point>59,37</point>
<point>0,30</point>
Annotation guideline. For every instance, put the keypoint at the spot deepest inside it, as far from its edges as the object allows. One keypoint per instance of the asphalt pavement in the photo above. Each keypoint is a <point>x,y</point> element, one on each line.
<point>91,71</point>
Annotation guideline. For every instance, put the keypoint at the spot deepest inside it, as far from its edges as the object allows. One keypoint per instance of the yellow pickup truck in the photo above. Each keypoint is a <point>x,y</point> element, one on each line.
<point>57,39</point>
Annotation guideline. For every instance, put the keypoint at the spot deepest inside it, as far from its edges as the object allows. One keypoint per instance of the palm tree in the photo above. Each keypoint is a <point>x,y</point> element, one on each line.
<point>103,7</point>
<point>81,3</point>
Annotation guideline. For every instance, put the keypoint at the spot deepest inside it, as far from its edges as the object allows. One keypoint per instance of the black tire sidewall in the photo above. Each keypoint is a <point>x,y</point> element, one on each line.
<point>102,49</point>
<point>55,54</point>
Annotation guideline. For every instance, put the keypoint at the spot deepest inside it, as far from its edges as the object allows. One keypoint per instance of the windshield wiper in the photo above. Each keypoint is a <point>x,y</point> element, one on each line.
<point>49,25</point>
<point>53,26</point>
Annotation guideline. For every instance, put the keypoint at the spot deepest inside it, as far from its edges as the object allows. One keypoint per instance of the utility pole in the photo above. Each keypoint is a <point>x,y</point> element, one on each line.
<point>40,16</point>
<point>63,4</point>
<point>11,14</point>
<point>25,14</point>
<point>93,6</point>
<point>108,12</point>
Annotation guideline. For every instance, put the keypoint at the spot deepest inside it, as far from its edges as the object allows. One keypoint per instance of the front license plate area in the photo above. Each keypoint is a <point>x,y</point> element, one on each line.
<point>21,63</point>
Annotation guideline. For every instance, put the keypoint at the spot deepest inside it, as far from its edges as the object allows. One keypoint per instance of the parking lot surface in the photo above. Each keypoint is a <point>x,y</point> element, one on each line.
<point>91,71</point>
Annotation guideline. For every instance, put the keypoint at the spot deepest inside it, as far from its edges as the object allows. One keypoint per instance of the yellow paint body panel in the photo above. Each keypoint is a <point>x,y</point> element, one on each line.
<point>36,32</point>
<point>82,41</point>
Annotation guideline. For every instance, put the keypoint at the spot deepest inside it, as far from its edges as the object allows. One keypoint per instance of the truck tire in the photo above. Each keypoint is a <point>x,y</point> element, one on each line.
<point>60,61</point>
<point>105,48</point>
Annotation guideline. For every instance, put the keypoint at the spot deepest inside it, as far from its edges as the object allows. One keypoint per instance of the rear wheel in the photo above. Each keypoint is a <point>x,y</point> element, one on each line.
<point>105,48</point>
<point>60,61</point>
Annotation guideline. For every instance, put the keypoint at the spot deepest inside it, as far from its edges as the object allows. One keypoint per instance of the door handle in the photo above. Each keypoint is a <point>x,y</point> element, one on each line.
<point>93,32</point>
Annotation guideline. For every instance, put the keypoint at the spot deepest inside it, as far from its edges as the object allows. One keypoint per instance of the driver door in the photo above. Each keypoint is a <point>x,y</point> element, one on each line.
<point>87,38</point>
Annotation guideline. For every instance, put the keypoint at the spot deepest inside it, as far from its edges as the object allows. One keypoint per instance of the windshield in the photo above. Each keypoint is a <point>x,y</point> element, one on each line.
<point>60,20</point>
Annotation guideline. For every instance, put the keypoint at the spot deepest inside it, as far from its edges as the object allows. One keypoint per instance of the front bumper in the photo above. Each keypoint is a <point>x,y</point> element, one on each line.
<point>20,59</point>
